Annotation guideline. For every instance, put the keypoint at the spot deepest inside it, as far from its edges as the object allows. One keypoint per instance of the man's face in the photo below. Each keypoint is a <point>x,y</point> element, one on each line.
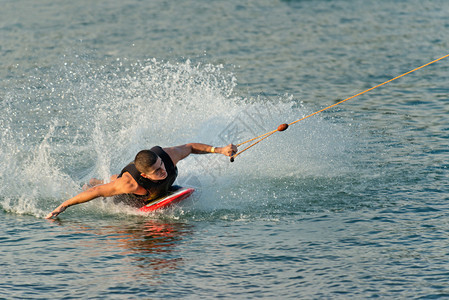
<point>156,171</point>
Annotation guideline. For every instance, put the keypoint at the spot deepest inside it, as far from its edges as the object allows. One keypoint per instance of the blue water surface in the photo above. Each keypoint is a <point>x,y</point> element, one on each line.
<point>350,203</point>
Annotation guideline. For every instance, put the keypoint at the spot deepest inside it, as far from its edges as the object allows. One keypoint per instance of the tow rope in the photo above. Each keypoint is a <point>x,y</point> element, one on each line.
<point>284,126</point>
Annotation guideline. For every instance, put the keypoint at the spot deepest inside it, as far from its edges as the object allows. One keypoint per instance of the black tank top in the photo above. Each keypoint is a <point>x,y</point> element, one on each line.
<point>154,188</point>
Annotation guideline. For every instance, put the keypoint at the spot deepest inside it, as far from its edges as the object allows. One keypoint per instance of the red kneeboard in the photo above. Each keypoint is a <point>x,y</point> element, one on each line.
<point>175,195</point>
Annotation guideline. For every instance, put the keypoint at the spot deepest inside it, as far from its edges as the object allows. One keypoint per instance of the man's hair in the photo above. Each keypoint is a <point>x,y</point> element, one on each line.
<point>144,160</point>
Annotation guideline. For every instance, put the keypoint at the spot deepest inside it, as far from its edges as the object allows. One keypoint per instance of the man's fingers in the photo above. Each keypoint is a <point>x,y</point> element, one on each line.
<point>56,212</point>
<point>50,215</point>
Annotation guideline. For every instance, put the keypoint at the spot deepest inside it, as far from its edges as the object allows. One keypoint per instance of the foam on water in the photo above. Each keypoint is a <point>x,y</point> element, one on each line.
<point>81,120</point>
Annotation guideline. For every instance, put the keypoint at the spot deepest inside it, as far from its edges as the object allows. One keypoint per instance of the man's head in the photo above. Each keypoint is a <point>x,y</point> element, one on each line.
<point>150,165</point>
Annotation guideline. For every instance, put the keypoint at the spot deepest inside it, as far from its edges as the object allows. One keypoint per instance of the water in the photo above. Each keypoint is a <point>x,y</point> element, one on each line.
<point>350,203</point>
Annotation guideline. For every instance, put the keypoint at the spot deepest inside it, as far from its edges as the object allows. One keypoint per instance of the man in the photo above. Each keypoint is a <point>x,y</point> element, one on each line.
<point>150,175</point>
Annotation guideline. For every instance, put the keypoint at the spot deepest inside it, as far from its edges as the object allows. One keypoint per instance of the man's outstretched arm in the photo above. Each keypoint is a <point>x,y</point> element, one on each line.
<point>104,190</point>
<point>178,153</point>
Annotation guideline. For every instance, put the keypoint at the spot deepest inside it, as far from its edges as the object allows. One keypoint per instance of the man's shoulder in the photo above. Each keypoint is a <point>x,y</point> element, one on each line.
<point>126,183</point>
<point>125,178</point>
<point>178,153</point>
<point>129,185</point>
